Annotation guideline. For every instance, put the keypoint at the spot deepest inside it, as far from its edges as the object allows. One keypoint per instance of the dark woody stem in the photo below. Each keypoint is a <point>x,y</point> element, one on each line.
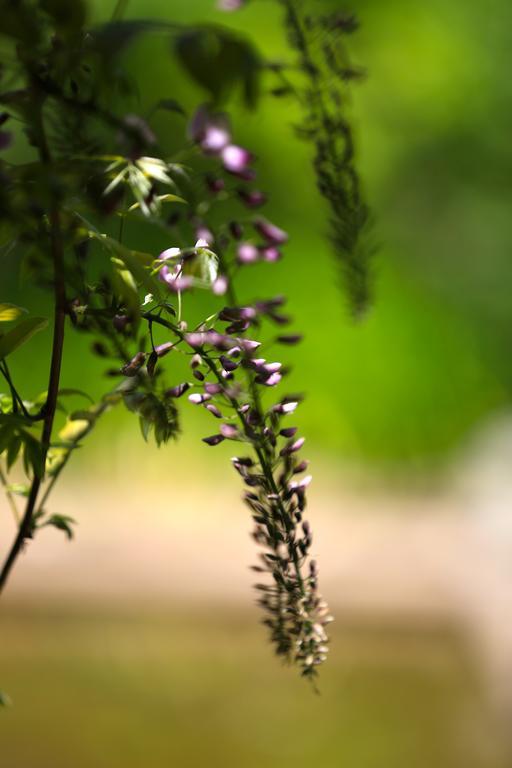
<point>57,256</point>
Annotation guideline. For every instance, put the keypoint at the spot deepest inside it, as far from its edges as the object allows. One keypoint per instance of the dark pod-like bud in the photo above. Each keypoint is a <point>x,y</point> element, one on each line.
<point>178,390</point>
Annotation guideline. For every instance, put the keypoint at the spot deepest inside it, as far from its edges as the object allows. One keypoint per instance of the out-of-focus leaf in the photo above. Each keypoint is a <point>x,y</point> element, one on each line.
<point>20,334</point>
<point>10,312</point>
<point>68,392</point>
<point>110,39</point>
<point>218,60</point>
<point>171,105</point>
<point>62,523</point>
<point>5,701</point>
<point>74,429</point>
<point>32,455</point>
<point>13,450</point>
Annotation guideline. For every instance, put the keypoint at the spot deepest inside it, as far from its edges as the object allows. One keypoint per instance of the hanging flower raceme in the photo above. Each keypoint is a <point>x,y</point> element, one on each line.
<point>233,377</point>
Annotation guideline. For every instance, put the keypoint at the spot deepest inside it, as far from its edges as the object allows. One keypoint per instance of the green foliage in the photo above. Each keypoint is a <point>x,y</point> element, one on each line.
<point>20,334</point>
<point>220,62</point>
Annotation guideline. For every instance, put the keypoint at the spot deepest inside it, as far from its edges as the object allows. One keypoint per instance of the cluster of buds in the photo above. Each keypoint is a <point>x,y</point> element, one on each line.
<point>232,379</point>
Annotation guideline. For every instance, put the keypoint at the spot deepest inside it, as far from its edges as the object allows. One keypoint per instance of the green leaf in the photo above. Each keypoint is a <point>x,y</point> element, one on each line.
<point>218,60</point>
<point>32,455</point>
<point>171,105</point>
<point>68,392</point>
<point>20,334</point>
<point>62,523</point>
<point>13,450</point>
<point>10,312</point>
<point>74,429</point>
<point>5,701</point>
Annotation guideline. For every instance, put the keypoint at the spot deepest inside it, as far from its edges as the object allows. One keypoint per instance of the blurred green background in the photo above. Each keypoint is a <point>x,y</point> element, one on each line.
<point>396,394</point>
<point>430,361</point>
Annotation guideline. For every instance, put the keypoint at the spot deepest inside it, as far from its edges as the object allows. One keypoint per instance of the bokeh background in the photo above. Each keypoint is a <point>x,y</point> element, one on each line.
<point>138,643</point>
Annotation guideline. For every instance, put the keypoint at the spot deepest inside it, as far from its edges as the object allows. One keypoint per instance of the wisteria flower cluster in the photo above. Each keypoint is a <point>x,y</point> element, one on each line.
<point>65,216</point>
<point>231,378</point>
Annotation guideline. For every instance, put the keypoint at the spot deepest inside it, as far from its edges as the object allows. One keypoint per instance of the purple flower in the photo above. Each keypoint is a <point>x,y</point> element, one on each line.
<point>247,253</point>
<point>229,431</point>
<point>293,447</point>
<point>220,285</point>
<point>213,440</point>
<point>286,407</point>
<point>215,184</point>
<point>272,234</point>
<point>213,410</point>
<point>212,388</point>
<point>236,160</point>
<point>272,380</point>
<point>271,253</point>
<point>211,132</point>
<point>198,399</point>
<point>229,5</point>
<point>227,364</point>
<point>252,198</point>
<point>178,390</point>
<point>163,349</point>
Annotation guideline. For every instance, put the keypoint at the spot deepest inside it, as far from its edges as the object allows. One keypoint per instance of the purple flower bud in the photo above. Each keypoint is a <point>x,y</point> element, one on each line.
<point>236,160</point>
<point>220,285</point>
<point>178,390</point>
<point>249,345</point>
<point>270,254</point>
<point>229,5</point>
<point>252,198</point>
<point>236,230</point>
<point>288,432</point>
<point>179,284</point>
<point>120,322</point>
<point>213,440</point>
<point>294,485</point>
<point>244,461</point>
<point>196,339</point>
<point>272,234</point>
<point>163,349</point>
<point>272,380</point>
<point>213,410</point>
<point>198,375</point>
<point>212,388</point>
<point>247,253</point>
<point>198,399</point>
<point>227,364</point>
<point>292,447</point>
<point>229,431</point>
<point>135,364</point>
<point>204,236</point>
<point>211,132</point>
<point>215,184</point>
<point>301,467</point>
<point>272,367</point>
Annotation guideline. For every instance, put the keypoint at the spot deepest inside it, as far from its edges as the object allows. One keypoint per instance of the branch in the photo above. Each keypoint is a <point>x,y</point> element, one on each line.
<point>57,254</point>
